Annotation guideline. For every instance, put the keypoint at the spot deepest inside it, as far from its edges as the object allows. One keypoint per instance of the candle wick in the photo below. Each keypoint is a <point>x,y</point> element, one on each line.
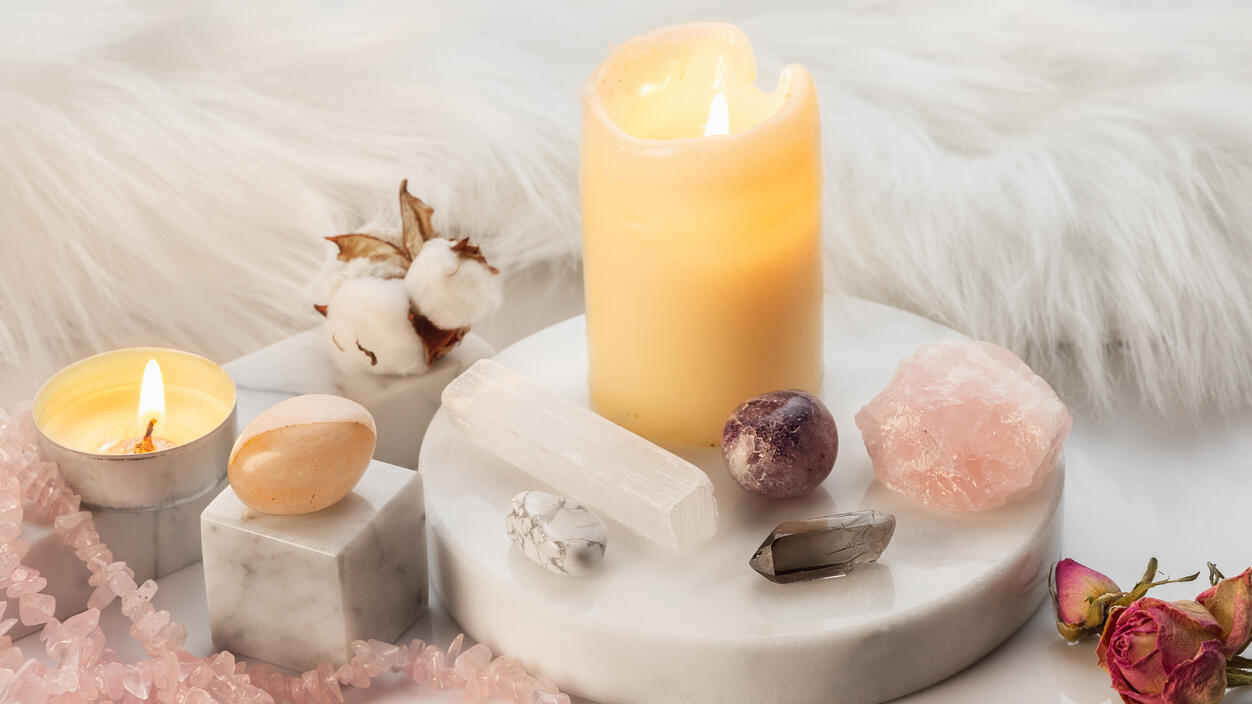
<point>146,444</point>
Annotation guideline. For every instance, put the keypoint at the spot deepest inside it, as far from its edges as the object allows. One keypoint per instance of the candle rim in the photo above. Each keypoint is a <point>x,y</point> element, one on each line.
<point>231,405</point>
<point>801,81</point>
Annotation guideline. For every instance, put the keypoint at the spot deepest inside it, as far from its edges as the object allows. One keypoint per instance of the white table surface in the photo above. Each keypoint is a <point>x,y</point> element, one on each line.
<point>1137,485</point>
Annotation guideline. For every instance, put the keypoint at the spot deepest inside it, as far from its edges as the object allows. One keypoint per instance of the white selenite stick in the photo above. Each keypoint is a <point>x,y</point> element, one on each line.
<point>649,490</point>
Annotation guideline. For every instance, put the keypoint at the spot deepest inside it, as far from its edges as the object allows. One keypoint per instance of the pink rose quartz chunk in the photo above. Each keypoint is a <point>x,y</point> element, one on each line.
<point>964,426</point>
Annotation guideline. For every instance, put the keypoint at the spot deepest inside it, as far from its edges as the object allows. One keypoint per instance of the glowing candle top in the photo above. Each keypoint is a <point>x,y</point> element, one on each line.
<point>701,204</point>
<point>101,403</point>
<point>138,428</point>
<point>691,81</point>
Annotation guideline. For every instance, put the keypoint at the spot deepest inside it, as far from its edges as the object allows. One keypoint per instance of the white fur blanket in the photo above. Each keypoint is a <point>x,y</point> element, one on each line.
<point>1071,180</point>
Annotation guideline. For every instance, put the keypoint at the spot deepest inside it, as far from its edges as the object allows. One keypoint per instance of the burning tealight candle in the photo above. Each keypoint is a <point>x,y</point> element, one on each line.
<point>151,412</point>
<point>701,202</point>
<point>138,428</point>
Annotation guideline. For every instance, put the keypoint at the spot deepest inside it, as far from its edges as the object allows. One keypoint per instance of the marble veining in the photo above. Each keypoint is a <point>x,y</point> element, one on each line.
<point>296,590</point>
<point>562,536</point>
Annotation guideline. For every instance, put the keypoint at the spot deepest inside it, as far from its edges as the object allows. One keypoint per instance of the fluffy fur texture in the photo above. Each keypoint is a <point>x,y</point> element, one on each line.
<point>1073,181</point>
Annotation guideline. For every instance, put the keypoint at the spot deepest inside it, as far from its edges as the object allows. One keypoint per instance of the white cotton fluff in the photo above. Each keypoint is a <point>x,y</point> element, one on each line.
<point>450,290</point>
<point>367,329</point>
<point>335,271</point>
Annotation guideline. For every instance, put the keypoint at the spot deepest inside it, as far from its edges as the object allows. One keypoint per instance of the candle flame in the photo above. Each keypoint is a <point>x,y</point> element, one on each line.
<point>151,395</point>
<point>719,117</point>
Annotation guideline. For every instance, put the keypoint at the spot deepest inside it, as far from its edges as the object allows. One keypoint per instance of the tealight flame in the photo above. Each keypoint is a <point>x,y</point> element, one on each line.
<point>151,395</point>
<point>719,117</point>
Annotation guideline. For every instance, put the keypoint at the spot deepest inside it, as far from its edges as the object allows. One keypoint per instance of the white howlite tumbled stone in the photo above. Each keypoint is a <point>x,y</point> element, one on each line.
<point>562,536</point>
<point>402,406</point>
<point>649,490</point>
<point>297,590</point>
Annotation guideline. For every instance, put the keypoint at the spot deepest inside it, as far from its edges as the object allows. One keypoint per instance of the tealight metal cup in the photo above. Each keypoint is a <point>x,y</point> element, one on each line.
<point>153,480</point>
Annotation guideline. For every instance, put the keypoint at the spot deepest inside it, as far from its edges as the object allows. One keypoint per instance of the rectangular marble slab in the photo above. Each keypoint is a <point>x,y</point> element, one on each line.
<point>154,543</point>
<point>296,590</point>
<point>402,405</point>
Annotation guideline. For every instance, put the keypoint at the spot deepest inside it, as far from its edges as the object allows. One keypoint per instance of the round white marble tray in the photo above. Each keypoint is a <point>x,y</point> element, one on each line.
<point>701,626</point>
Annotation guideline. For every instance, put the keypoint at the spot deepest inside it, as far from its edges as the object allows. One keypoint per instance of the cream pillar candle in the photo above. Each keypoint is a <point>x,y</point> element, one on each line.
<point>701,204</point>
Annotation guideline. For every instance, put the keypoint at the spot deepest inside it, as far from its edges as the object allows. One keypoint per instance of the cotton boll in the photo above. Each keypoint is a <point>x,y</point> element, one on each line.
<point>451,290</point>
<point>367,329</point>
<point>335,271</point>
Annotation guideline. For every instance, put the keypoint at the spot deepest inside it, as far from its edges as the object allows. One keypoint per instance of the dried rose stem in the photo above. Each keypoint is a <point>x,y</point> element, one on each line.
<point>86,670</point>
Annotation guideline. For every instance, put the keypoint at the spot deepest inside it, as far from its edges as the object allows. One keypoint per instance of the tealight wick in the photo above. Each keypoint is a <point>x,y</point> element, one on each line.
<point>145,443</point>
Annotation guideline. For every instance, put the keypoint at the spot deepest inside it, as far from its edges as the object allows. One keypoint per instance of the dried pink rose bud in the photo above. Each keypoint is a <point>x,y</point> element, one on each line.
<point>1082,597</point>
<point>1230,602</point>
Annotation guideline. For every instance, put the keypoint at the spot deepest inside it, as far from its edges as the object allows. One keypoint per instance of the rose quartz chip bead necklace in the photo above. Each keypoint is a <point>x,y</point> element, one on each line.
<point>87,670</point>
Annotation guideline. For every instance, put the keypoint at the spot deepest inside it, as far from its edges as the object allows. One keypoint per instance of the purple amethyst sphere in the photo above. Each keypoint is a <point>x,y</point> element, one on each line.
<point>780,444</point>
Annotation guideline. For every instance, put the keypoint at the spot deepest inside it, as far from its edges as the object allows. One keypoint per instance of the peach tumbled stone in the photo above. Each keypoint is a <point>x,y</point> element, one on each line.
<point>302,455</point>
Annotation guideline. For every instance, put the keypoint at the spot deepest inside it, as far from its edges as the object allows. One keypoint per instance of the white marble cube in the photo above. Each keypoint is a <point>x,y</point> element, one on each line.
<point>297,590</point>
<point>154,543</point>
<point>402,405</point>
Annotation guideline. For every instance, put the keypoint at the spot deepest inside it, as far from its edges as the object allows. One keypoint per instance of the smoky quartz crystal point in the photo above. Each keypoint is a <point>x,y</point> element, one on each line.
<point>828,546</point>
